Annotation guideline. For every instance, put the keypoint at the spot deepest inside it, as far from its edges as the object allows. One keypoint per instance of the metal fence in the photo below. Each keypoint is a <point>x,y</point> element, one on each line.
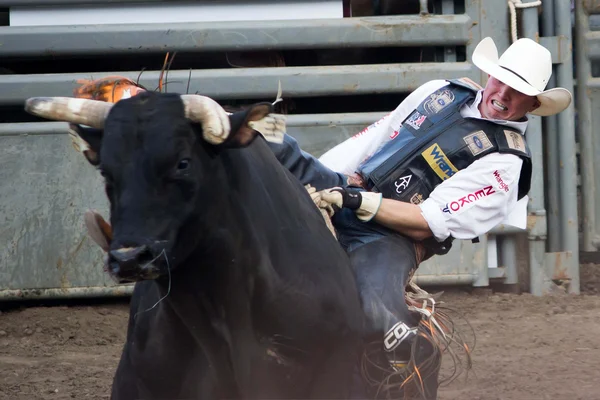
<point>45,186</point>
<point>587,53</point>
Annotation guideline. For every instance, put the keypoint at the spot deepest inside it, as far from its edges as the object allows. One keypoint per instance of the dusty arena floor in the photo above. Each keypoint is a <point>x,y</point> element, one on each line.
<point>527,348</point>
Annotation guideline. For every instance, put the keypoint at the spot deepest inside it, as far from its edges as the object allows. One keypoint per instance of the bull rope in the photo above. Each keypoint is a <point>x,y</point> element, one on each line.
<point>435,326</point>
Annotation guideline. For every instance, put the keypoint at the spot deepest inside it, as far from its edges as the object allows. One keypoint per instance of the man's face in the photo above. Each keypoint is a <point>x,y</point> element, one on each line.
<point>500,101</point>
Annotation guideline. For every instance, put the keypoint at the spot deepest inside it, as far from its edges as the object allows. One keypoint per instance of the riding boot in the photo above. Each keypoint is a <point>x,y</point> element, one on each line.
<point>394,349</point>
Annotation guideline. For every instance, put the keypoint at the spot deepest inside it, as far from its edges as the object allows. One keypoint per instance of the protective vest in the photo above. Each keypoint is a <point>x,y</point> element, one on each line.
<point>434,142</point>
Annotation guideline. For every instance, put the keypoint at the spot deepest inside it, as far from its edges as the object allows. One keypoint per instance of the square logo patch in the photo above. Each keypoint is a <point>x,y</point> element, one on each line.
<point>515,141</point>
<point>478,142</point>
<point>438,101</point>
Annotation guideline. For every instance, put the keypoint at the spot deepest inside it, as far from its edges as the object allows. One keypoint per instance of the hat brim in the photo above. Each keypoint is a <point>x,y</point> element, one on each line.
<point>552,101</point>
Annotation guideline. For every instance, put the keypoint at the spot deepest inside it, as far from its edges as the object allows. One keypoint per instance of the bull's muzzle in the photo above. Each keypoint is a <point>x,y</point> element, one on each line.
<point>132,264</point>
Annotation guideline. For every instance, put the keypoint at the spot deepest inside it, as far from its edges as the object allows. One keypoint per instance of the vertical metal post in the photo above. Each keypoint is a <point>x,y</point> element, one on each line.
<point>484,14</point>
<point>509,254</point>
<point>567,157</point>
<point>550,134</point>
<point>449,52</point>
<point>482,26</point>
<point>481,270</point>
<point>537,244</point>
<point>584,128</point>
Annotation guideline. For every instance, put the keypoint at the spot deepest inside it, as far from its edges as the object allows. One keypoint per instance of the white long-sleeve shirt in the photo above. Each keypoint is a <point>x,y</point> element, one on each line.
<point>466,205</point>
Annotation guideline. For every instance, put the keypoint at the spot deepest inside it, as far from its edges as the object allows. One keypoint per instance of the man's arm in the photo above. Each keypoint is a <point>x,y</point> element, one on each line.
<point>402,217</point>
<point>468,204</point>
<point>405,218</point>
<point>474,200</point>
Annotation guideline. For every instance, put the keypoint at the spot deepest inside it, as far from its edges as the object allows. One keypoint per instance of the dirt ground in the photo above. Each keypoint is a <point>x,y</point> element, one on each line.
<point>527,348</point>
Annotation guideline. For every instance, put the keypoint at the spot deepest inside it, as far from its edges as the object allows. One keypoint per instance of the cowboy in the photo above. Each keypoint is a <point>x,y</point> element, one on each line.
<point>450,162</point>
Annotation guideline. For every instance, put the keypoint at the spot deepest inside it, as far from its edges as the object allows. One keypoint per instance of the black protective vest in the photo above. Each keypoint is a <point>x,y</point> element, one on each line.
<point>434,142</point>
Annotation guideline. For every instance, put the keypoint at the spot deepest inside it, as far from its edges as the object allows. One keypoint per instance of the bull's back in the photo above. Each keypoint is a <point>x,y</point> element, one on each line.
<point>309,272</point>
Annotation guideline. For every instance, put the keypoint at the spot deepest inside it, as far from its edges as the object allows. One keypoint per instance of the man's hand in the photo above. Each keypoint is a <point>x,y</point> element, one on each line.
<point>365,204</point>
<point>319,202</point>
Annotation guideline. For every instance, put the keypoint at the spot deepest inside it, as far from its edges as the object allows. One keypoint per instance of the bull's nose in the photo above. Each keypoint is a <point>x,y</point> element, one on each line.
<point>131,263</point>
<point>129,255</point>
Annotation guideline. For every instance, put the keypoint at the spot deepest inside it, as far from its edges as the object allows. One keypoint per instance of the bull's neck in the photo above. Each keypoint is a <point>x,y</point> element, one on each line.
<point>226,220</point>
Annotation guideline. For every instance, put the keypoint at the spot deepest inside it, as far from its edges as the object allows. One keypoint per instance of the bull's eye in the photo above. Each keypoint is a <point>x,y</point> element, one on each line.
<point>183,164</point>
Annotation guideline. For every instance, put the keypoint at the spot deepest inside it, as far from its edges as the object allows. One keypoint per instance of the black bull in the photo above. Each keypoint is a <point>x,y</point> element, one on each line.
<point>258,298</point>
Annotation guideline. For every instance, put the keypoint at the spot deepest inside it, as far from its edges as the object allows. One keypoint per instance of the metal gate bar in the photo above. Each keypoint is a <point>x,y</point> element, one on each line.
<point>397,31</point>
<point>250,83</point>
<point>24,3</point>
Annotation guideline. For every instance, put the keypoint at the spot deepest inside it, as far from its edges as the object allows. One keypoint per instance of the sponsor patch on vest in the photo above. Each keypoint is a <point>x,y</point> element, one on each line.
<point>402,183</point>
<point>515,141</point>
<point>439,163</point>
<point>478,142</point>
<point>457,206</point>
<point>415,120</point>
<point>416,198</point>
<point>438,101</point>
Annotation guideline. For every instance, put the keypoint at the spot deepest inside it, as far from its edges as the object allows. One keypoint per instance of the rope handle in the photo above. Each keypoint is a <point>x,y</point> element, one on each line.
<point>513,5</point>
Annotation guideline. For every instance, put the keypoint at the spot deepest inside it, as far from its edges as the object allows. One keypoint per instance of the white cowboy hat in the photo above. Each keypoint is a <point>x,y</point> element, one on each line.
<point>525,66</point>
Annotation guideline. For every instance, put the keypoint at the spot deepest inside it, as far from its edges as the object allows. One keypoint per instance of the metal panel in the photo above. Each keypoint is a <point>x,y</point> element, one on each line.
<point>592,42</point>
<point>244,35</point>
<point>45,187</point>
<point>254,82</point>
<point>28,3</point>
<point>317,133</point>
<point>24,3</point>
<point>587,139</point>
<point>464,259</point>
<point>591,6</point>
<point>33,128</point>
<point>590,185</point>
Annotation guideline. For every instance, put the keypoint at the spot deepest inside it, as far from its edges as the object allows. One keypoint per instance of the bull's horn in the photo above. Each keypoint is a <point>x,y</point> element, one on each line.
<point>206,111</point>
<point>78,111</point>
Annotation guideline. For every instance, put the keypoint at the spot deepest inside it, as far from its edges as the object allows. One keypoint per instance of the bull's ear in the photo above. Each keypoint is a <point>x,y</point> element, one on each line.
<point>249,123</point>
<point>87,140</point>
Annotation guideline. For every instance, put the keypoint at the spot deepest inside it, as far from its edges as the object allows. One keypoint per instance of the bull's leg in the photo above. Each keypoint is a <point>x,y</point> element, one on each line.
<point>383,268</point>
<point>335,376</point>
<point>160,359</point>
